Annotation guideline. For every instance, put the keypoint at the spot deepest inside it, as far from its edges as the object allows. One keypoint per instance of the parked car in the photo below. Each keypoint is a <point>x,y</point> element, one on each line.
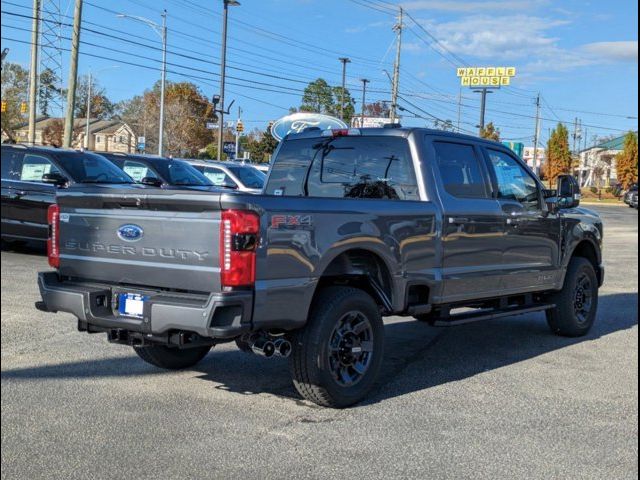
<point>233,175</point>
<point>628,196</point>
<point>353,225</point>
<point>160,171</point>
<point>31,176</point>
<point>634,200</point>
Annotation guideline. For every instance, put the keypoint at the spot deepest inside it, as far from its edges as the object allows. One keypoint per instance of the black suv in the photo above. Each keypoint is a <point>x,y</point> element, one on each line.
<point>160,171</point>
<point>30,178</point>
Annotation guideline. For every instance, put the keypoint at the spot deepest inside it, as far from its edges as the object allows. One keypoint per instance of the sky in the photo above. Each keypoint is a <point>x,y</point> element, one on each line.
<point>582,57</point>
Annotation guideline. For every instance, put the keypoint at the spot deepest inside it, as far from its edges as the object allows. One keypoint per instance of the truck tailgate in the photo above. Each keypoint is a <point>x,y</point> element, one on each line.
<point>167,239</point>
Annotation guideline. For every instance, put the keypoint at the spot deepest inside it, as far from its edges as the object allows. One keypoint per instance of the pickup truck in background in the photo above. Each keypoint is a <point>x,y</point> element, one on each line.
<point>353,225</point>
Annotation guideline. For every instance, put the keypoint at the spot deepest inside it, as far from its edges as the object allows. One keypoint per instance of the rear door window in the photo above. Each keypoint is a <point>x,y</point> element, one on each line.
<point>138,170</point>
<point>460,170</point>
<point>90,168</point>
<point>345,167</point>
<point>34,167</point>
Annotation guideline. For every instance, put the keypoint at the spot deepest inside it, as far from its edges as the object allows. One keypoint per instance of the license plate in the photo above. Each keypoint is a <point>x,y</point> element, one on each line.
<point>131,304</point>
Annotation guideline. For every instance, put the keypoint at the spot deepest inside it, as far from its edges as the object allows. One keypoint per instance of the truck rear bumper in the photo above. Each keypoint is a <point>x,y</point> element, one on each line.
<point>217,315</point>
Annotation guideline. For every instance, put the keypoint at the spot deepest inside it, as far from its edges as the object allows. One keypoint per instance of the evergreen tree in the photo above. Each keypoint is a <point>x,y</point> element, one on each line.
<point>559,159</point>
<point>627,161</point>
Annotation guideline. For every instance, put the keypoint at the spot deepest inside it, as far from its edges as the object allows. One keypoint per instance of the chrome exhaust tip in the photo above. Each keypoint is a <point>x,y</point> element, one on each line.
<point>283,347</point>
<point>263,347</point>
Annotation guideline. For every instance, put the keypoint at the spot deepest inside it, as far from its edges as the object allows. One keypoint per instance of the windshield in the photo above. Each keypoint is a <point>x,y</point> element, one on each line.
<point>345,167</point>
<point>178,172</point>
<point>91,168</point>
<point>249,176</point>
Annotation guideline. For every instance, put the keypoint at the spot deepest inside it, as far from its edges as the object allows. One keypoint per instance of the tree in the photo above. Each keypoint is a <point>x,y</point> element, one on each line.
<point>349,106</point>
<point>447,126</point>
<point>558,154</point>
<point>627,161</point>
<point>15,85</point>
<point>318,98</point>
<point>262,147</point>
<point>53,133</point>
<point>490,132</point>
<point>48,90</point>
<point>101,106</point>
<point>377,110</point>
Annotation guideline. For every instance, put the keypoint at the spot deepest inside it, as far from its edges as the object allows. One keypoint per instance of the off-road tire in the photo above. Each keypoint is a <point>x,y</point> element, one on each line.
<point>171,358</point>
<point>563,319</point>
<point>310,359</point>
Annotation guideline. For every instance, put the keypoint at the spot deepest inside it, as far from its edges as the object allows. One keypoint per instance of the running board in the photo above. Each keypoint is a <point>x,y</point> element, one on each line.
<point>463,318</point>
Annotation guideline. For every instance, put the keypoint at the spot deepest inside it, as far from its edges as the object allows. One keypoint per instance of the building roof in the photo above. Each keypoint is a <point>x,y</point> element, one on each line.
<point>95,124</point>
<point>613,144</point>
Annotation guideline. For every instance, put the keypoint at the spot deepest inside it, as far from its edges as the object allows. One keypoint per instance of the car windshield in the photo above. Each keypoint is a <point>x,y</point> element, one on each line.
<point>249,176</point>
<point>178,172</point>
<point>91,168</point>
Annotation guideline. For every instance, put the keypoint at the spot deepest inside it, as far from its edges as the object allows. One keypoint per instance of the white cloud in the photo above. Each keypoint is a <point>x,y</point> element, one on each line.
<point>613,51</point>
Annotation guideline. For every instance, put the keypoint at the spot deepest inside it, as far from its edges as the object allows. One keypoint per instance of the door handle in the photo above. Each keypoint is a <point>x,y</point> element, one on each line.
<point>459,220</point>
<point>18,194</point>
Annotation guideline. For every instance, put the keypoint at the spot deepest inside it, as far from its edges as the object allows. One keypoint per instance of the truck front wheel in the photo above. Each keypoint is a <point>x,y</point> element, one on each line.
<point>577,303</point>
<point>336,358</point>
<point>171,358</point>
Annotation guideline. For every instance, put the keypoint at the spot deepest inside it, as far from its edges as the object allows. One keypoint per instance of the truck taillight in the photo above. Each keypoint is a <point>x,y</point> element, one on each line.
<point>239,232</point>
<point>53,242</point>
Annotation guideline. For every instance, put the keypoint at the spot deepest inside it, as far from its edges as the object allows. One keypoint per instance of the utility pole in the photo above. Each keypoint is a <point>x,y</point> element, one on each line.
<point>33,72</point>
<point>73,75</point>
<point>86,133</point>
<point>396,67</point>
<point>575,134</point>
<point>536,136</point>
<point>223,71</point>
<point>364,98</point>
<point>163,81</point>
<point>483,107</point>
<point>459,108</point>
<point>344,61</point>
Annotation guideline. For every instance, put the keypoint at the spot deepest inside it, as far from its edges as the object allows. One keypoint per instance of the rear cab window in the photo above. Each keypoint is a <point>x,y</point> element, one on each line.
<point>345,167</point>
<point>178,172</point>
<point>249,176</point>
<point>34,167</point>
<point>138,170</point>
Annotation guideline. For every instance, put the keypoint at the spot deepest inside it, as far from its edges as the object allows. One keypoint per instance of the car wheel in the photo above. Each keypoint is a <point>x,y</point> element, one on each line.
<point>171,358</point>
<point>336,358</point>
<point>577,303</point>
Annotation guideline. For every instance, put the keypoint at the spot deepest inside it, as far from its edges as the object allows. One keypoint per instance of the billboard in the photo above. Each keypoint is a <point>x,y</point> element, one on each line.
<point>485,77</point>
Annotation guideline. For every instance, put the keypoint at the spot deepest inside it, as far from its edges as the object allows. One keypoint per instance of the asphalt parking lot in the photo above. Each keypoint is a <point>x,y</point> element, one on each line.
<point>498,399</point>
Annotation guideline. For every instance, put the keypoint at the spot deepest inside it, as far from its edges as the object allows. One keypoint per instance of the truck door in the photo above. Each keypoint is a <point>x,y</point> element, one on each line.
<point>532,234</point>
<point>473,224</point>
<point>31,197</point>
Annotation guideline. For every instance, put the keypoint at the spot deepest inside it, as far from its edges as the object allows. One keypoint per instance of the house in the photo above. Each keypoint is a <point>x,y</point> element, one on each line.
<point>598,163</point>
<point>104,135</point>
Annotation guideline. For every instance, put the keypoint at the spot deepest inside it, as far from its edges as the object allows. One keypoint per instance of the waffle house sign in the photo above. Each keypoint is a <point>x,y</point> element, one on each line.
<point>486,77</point>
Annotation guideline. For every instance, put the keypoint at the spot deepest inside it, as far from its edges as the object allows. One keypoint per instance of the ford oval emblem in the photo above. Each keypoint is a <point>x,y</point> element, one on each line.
<point>298,122</point>
<point>130,233</point>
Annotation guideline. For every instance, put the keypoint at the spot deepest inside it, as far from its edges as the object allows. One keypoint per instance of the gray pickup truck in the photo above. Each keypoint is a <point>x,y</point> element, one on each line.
<point>353,225</point>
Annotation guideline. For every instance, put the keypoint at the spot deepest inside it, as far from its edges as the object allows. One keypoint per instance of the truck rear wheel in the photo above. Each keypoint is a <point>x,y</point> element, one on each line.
<point>336,358</point>
<point>577,303</point>
<point>171,358</point>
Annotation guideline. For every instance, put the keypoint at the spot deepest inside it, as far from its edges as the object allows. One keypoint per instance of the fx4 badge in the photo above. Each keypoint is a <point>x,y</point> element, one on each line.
<point>291,221</point>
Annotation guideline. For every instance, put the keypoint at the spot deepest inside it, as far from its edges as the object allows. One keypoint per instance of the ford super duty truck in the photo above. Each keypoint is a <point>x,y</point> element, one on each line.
<point>352,225</point>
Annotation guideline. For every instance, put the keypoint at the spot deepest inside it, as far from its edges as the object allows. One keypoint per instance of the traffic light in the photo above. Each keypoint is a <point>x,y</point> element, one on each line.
<point>4,106</point>
<point>23,107</point>
<point>240,127</point>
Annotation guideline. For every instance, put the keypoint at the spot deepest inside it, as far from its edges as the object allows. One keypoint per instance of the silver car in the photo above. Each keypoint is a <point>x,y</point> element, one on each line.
<point>236,176</point>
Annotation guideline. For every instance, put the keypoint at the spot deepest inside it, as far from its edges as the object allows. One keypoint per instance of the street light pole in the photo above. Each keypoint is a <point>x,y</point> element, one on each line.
<point>161,31</point>
<point>86,132</point>
<point>223,72</point>
<point>344,61</point>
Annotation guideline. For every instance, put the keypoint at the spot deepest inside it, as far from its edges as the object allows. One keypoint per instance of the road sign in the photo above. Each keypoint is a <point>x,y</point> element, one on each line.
<point>229,148</point>
<point>485,77</point>
<point>212,126</point>
<point>141,144</point>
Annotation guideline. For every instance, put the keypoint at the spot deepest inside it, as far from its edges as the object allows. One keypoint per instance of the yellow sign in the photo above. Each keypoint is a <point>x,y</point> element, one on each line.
<point>486,77</point>
<point>23,107</point>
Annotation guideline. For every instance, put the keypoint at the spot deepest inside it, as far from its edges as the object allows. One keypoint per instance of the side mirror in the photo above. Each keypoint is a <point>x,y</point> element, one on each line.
<point>55,178</point>
<point>568,192</point>
<point>151,181</point>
